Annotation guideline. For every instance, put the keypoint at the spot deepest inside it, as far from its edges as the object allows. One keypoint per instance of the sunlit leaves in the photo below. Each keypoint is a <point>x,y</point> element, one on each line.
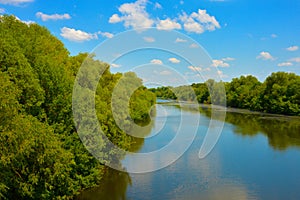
<point>41,154</point>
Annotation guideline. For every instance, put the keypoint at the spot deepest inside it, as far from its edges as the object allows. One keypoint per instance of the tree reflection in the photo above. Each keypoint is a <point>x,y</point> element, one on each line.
<point>142,133</point>
<point>113,186</point>
<point>282,131</point>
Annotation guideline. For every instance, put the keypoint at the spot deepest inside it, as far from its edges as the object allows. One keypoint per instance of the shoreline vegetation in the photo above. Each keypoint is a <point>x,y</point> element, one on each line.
<point>41,154</point>
<point>278,94</point>
<point>172,102</point>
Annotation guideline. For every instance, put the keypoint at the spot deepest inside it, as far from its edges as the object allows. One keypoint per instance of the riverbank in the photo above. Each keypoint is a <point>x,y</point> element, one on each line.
<point>253,157</point>
<point>278,94</point>
<point>228,109</point>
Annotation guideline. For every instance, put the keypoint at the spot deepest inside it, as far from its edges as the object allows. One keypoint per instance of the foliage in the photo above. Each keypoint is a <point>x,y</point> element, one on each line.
<point>41,154</point>
<point>282,93</point>
<point>33,163</point>
<point>164,92</point>
<point>279,93</point>
<point>244,93</point>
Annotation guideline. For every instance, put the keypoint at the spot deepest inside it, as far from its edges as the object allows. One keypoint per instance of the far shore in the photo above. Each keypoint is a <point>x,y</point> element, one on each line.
<point>228,109</point>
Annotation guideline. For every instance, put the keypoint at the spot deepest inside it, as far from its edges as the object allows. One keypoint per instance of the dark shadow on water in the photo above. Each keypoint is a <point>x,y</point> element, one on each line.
<point>113,187</point>
<point>115,183</point>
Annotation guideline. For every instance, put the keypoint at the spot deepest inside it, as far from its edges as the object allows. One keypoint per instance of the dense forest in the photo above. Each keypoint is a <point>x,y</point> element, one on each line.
<point>41,155</point>
<point>279,93</point>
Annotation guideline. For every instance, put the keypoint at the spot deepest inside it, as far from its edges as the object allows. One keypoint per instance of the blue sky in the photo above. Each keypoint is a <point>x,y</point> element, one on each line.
<point>241,36</point>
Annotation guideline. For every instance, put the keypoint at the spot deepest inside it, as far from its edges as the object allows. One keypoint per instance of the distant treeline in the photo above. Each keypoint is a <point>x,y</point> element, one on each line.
<point>41,155</point>
<point>279,93</point>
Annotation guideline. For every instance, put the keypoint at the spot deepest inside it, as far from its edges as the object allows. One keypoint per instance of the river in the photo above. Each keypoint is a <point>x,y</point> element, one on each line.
<point>257,157</point>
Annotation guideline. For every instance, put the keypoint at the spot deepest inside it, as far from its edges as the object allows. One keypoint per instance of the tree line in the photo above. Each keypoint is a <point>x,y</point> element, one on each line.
<point>279,93</point>
<point>41,154</point>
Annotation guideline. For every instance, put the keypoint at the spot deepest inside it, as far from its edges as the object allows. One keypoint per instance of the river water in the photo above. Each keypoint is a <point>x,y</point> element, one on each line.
<point>257,157</point>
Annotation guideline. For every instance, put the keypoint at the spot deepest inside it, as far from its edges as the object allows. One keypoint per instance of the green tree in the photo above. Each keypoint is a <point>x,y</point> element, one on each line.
<point>14,63</point>
<point>41,154</point>
<point>281,93</point>
<point>33,163</point>
<point>244,92</point>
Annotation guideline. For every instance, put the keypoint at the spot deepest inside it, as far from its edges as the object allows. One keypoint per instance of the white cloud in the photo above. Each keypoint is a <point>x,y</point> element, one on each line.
<point>179,40</point>
<point>194,45</point>
<point>106,34</point>
<point>274,35</point>
<point>174,60</point>
<point>292,48</point>
<point>167,24</point>
<point>221,74</point>
<point>149,39</point>
<point>222,62</point>
<point>28,22</point>
<point>193,27</point>
<point>285,64</point>
<point>15,2</point>
<point>2,10</point>
<point>114,19</point>
<point>210,21</point>
<point>133,15</point>
<point>199,22</point>
<point>195,68</point>
<point>265,56</point>
<point>219,63</point>
<point>190,25</point>
<point>114,65</point>
<point>157,6</point>
<point>297,59</point>
<point>77,35</point>
<point>156,62</point>
<point>46,17</point>
<point>228,59</point>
